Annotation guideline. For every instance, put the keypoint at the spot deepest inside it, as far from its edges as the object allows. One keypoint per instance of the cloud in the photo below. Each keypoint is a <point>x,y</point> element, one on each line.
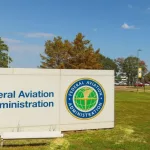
<point>20,46</point>
<point>130,6</point>
<point>26,48</point>
<point>127,27</point>
<point>8,40</point>
<point>148,9</point>
<point>95,29</point>
<point>25,55</point>
<point>38,35</point>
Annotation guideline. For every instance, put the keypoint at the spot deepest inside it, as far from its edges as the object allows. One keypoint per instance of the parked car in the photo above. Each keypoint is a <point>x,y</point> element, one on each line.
<point>122,83</point>
<point>139,84</point>
<point>147,84</point>
<point>116,83</point>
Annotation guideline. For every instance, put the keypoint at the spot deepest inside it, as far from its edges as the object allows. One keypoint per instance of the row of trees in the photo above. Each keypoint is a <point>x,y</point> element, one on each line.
<point>80,54</point>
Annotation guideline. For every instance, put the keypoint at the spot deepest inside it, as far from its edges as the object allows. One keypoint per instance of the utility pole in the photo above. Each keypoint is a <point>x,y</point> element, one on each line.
<point>138,68</point>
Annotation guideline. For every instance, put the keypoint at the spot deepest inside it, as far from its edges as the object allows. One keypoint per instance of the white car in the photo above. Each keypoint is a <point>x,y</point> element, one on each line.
<point>122,83</point>
<point>116,83</point>
<point>146,84</point>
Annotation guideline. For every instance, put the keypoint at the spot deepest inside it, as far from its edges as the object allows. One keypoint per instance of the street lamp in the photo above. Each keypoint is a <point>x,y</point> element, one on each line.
<point>138,67</point>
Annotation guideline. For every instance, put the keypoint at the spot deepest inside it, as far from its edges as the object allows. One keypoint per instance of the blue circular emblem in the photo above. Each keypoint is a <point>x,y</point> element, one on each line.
<point>85,98</point>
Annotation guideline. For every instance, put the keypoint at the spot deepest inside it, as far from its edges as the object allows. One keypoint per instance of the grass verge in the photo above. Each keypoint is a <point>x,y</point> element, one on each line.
<point>131,132</point>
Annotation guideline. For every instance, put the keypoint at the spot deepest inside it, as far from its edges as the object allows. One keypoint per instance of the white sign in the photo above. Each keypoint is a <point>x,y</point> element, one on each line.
<point>52,100</point>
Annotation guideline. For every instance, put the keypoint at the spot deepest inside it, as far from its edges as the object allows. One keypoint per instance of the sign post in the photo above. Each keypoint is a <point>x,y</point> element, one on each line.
<point>38,100</point>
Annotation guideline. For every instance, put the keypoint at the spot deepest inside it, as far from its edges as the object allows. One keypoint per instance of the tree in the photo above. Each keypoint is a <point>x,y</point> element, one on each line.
<point>147,77</point>
<point>108,64</point>
<point>119,62</point>
<point>129,66</point>
<point>56,53</point>
<point>78,54</point>
<point>4,54</point>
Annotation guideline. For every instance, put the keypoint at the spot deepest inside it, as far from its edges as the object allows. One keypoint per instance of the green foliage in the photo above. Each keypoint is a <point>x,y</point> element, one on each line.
<point>119,62</point>
<point>118,78</point>
<point>108,64</point>
<point>131,132</point>
<point>4,54</point>
<point>78,54</point>
<point>129,67</point>
<point>147,77</point>
<point>59,144</point>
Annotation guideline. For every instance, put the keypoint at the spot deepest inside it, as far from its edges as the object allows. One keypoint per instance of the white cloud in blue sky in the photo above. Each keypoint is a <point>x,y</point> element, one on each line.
<point>21,51</point>
<point>25,55</point>
<point>130,6</point>
<point>148,9</point>
<point>128,27</point>
<point>37,35</point>
<point>95,29</point>
<point>26,25</point>
<point>8,40</point>
<point>26,47</point>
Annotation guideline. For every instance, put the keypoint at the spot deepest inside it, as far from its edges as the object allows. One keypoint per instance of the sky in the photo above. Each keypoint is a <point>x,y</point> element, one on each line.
<point>118,27</point>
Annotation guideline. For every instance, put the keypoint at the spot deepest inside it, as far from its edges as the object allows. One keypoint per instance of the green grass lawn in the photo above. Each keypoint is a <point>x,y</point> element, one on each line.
<point>131,132</point>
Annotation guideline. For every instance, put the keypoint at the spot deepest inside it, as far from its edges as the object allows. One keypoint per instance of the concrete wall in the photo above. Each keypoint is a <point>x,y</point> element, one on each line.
<point>46,99</point>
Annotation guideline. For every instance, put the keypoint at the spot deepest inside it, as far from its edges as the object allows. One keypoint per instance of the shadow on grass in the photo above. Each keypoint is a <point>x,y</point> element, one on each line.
<point>22,145</point>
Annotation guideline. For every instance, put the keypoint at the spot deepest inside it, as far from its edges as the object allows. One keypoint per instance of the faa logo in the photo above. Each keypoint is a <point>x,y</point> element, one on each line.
<point>85,98</point>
